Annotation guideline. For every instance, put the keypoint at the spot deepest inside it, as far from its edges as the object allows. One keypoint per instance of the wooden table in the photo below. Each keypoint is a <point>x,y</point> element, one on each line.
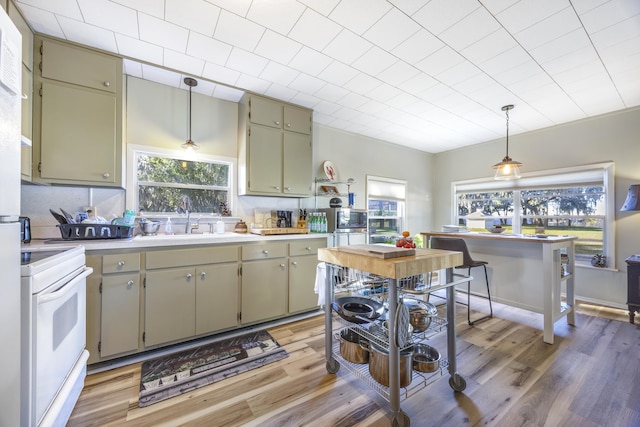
<point>525,272</point>
<point>359,257</point>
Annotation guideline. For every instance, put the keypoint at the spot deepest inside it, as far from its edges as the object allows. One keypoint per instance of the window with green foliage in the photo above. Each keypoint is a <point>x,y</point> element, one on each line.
<point>573,201</point>
<point>162,180</point>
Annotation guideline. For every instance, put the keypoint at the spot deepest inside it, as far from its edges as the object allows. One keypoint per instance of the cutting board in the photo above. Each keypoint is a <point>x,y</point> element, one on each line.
<point>280,230</point>
<point>378,251</point>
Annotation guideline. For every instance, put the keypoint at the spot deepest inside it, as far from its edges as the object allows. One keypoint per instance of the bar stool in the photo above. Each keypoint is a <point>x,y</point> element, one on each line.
<point>459,245</point>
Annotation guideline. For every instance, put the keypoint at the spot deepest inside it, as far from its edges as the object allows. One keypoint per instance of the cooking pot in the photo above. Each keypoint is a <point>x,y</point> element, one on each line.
<point>425,358</point>
<point>379,364</point>
<point>358,309</point>
<point>335,202</point>
<point>420,313</point>
<point>350,348</point>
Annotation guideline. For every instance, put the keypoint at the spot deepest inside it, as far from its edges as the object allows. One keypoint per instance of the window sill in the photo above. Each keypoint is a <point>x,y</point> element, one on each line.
<point>590,267</point>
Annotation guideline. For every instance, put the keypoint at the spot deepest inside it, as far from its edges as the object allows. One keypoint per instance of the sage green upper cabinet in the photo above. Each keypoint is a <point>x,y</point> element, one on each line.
<point>274,148</point>
<point>77,116</point>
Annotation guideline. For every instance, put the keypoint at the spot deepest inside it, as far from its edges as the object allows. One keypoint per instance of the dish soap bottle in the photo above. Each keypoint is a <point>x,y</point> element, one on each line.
<point>168,227</point>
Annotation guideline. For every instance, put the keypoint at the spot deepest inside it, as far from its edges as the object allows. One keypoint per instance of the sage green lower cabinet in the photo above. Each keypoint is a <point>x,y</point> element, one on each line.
<point>120,314</point>
<point>216,298</point>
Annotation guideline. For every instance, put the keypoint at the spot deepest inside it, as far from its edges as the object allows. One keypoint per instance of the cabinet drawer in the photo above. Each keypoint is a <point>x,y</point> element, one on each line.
<point>264,251</point>
<point>297,120</point>
<point>265,112</point>
<point>306,247</point>
<point>120,263</point>
<point>196,256</point>
<point>71,64</point>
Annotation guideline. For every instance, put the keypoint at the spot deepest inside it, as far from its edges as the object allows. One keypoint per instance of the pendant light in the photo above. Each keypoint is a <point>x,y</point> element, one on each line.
<point>507,168</point>
<point>190,146</point>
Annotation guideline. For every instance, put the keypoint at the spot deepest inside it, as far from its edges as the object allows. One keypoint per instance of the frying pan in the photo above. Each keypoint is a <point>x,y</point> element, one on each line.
<point>358,309</point>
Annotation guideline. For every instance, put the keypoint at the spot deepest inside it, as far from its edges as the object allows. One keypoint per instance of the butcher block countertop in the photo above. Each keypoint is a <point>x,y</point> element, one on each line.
<point>366,258</point>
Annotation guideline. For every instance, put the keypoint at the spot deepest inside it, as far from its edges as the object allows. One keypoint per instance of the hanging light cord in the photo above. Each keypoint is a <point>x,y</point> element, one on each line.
<point>507,112</point>
<point>190,115</point>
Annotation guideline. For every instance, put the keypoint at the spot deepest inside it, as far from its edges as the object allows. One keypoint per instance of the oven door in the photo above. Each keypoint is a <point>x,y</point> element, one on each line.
<point>59,324</point>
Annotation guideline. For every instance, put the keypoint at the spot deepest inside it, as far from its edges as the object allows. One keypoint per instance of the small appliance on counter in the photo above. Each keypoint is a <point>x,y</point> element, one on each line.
<point>25,229</point>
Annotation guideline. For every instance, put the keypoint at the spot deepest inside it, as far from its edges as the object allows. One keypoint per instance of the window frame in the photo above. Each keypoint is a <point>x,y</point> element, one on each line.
<point>134,150</point>
<point>598,173</point>
<point>394,190</point>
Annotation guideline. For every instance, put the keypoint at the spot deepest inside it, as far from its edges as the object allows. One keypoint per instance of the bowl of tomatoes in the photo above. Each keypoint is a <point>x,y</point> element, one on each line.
<point>406,241</point>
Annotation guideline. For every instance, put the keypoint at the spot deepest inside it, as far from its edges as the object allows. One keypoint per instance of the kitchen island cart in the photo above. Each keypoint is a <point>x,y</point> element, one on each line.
<point>383,273</point>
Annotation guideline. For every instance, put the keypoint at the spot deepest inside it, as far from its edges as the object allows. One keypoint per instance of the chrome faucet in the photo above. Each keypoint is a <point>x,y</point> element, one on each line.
<point>184,207</point>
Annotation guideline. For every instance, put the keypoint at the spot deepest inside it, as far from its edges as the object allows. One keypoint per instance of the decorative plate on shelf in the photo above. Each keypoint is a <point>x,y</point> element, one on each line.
<point>331,171</point>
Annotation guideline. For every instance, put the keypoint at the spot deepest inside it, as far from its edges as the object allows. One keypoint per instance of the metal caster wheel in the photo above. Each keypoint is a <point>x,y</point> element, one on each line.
<point>457,383</point>
<point>401,420</point>
<point>333,366</point>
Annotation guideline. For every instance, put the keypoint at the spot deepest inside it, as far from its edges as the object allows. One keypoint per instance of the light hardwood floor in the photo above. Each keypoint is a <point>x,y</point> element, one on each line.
<point>589,377</point>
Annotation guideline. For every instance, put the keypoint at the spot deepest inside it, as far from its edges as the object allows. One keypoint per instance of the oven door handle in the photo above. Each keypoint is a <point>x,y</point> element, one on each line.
<point>61,292</point>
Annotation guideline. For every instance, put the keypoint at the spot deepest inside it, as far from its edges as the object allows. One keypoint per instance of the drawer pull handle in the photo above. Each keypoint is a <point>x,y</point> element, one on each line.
<point>106,175</point>
<point>120,263</point>
<point>288,125</point>
<point>294,263</point>
<point>276,122</point>
<point>203,275</point>
<point>189,276</point>
<point>265,252</point>
<point>309,248</point>
<point>106,83</point>
<point>282,266</point>
<point>277,187</point>
<point>129,284</point>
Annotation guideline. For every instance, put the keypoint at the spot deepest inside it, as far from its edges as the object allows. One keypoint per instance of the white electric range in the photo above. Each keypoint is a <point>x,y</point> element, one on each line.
<point>53,332</point>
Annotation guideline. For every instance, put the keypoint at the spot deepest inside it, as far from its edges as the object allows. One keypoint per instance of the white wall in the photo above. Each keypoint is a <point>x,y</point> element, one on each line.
<point>611,137</point>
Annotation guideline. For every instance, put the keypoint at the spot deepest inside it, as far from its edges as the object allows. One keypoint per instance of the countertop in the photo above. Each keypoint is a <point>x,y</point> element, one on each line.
<point>529,238</point>
<point>176,240</point>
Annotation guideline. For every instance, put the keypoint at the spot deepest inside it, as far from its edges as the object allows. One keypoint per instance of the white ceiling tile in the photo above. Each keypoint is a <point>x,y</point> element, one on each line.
<point>42,21</point>
<point>573,61</point>
<point>518,73</point>
<point>68,8</point>
<point>80,32</point>
<point>473,27</point>
<point>280,92</point>
<point>314,30</point>
<point>110,16</point>
<point>162,33</point>
<point>280,19</point>
<point>347,47</point>
<point>583,6</point>
<point>497,6</point>
<point>239,7</point>
<point>196,15</point>
<point>237,31</point>
<point>417,47</point>
<point>374,61</point>
<point>609,13</point>
<point>574,41</point>
<point>337,73</point>
<point>220,74</point>
<point>160,75</point>
<point>359,15</point>
<point>404,27</point>
<point>150,7</point>
<point>277,47</point>
<point>490,46</point>
<point>440,61</point>
<point>436,93</point>
<point>132,68</point>
<point>321,6</point>
<point>618,33</point>
<point>531,83</point>
<point>402,100</point>
<point>553,27</point>
<point>458,73</point>
<point>372,107</point>
<point>325,107</point>
<point>398,73</point>
<point>524,14</point>
<point>353,100</point>
<point>306,84</point>
<point>208,49</point>
<point>505,61</point>
<point>305,100</point>
<point>418,83</point>
<point>474,83</point>
<point>331,92</point>
<point>253,84</point>
<point>438,15</point>
<point>310,61</point>
<point>279,74</point>
<point>227,93</point>
<point>134,48</point>
<point>384,92</point>
<point>362,84</point>
<point>246,62</point>
<point>347,114</point>
<point>408,6</point>
<point>203,87</point>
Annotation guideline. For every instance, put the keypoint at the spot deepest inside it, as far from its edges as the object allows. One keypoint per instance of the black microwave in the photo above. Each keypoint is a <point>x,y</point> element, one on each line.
<point>345,220</point>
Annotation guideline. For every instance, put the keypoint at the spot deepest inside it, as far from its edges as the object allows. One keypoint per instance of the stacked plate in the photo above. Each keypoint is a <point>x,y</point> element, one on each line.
<point>454,229</point>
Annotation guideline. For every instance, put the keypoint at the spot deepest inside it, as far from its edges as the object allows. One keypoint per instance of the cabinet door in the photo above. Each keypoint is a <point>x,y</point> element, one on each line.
<point>264,160</point>
<point>93,310</point>
<point>78,134</point>
<point>302,274</point>
<point>83,67</point>
<point>297,119</point>
<point>27,123</point>
<point>265,112</point>
<point>297,175</point>
<point>120,318</point>
<point>216,298</point>
<point>264,290</point>
<point>170,296</point>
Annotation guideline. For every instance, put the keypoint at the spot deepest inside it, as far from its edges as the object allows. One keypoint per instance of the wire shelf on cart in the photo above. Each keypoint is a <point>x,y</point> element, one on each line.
<point>419,380</point>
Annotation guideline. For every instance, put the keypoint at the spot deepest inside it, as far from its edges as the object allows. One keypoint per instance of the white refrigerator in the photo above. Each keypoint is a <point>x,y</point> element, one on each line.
<point>10,101</point>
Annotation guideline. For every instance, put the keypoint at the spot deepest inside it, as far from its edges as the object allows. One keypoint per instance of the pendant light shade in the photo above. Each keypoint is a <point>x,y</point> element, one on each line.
<point>507,168</point>
<point>632,203</point>
<point>190,145</point>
